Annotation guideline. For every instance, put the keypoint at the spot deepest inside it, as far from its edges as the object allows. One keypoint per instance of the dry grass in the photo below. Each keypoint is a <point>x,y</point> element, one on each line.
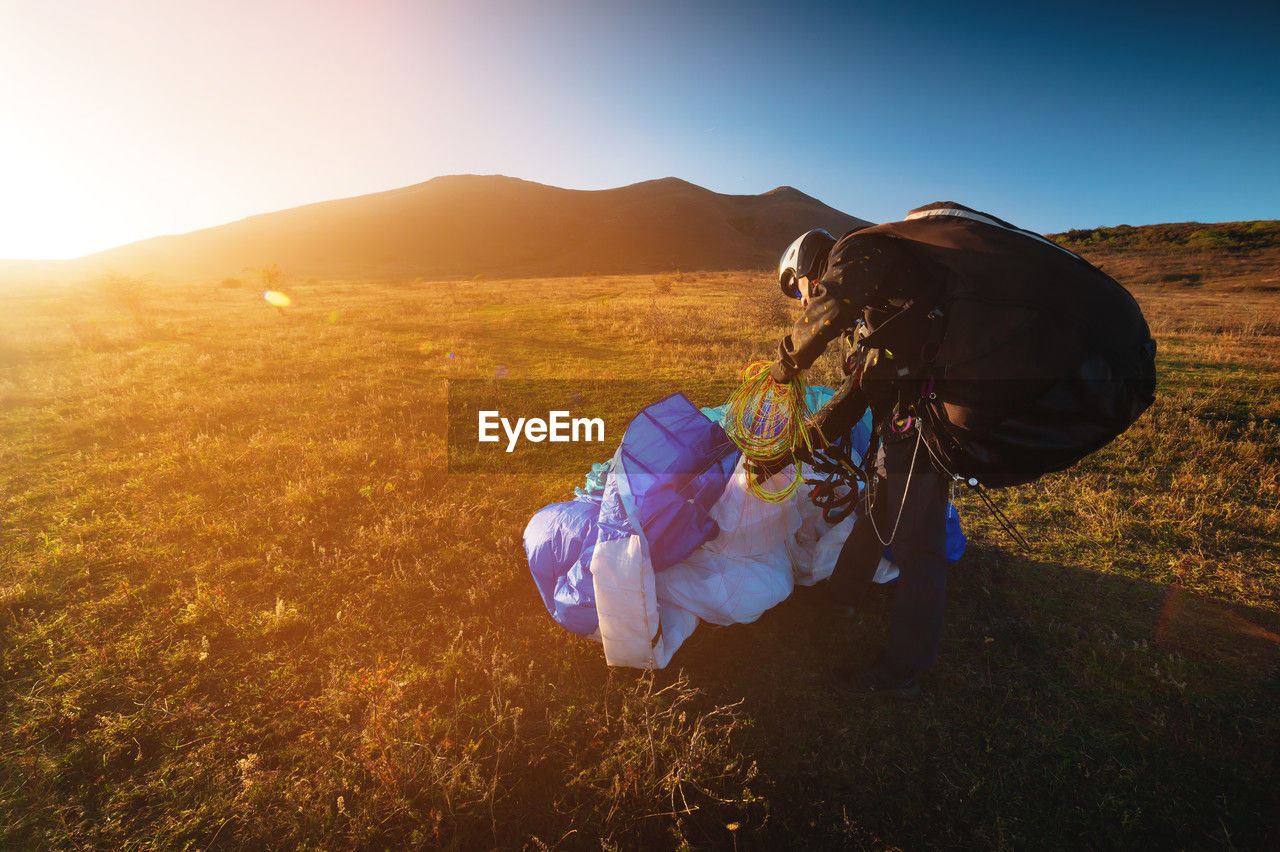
<point>243,605</point>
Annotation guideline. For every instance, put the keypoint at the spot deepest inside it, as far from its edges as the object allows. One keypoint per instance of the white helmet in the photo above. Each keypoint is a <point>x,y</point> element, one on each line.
<point>803,259</point>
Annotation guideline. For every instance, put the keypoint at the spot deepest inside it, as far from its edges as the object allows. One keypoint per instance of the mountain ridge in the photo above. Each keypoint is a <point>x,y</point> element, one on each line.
<point>500,226</point>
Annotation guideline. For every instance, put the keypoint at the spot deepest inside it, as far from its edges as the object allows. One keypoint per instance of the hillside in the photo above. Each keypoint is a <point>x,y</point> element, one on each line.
<point>1226,255</point>
<point>468,225</point>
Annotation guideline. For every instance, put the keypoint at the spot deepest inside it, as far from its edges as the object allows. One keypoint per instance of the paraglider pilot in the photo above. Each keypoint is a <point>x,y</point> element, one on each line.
<point>1021,357</point>
<point>877,292</point>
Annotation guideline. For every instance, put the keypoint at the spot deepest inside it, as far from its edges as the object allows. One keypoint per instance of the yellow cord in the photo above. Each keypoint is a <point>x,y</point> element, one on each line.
<point>766,420</point>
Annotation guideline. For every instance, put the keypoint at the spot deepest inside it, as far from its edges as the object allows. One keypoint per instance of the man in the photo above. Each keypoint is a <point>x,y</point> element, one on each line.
<point>986,353</point>
<point>881,293</point>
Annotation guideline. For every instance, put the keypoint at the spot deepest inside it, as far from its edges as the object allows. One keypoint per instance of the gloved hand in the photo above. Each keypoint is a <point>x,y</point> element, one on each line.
<point>781,373</point>
<point>853,365</point>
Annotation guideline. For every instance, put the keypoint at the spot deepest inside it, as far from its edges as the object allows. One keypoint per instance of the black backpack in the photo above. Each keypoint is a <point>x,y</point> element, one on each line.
<point>1039,359</point>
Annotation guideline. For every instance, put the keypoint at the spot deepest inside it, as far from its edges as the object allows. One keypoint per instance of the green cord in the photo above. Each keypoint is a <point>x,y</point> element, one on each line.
<point>766,420</point>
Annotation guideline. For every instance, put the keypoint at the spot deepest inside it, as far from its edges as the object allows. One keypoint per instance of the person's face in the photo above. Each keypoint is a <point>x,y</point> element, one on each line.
<point>803,286</point>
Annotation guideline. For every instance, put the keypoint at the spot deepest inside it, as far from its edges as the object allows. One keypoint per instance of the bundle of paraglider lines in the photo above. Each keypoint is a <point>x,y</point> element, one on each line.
<point>766,420</point>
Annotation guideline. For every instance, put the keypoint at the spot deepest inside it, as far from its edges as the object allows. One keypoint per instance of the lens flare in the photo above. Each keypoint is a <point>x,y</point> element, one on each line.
<point>276,298</point>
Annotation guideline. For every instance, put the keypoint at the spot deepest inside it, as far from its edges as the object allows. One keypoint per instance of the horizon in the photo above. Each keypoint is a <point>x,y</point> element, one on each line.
<point>213,113</point>
<point>517,178</point>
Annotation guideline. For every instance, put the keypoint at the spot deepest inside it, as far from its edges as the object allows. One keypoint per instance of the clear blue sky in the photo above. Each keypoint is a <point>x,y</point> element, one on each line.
<point>131,118</point>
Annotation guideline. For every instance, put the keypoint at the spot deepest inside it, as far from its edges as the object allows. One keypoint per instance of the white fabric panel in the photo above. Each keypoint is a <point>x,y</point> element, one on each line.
<point>677,625</point>
<point>743,571</point>
<point>762,550</point>
<point>823,548</point>
<point>885,571</point>
<point>818,545</point>
<point>625,601</point>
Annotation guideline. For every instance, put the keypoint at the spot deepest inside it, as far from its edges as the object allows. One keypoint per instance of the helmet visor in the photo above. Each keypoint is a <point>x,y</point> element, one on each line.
<point>804,258</point>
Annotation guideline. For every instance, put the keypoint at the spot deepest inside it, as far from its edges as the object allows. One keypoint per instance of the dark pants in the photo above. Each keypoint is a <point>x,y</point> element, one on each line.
<point>919,551</point>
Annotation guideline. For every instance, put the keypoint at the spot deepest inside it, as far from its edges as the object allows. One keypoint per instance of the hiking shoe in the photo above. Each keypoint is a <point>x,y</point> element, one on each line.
<point>880,679</point>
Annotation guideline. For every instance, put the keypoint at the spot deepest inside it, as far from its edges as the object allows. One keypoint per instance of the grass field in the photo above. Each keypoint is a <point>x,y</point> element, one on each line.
<point>244,605</point>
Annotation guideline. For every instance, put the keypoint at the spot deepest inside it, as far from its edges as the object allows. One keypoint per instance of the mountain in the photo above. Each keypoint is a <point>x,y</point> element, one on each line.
<point>463,225</point>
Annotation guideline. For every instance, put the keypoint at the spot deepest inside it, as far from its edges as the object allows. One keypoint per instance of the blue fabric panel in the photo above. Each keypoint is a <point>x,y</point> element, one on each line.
<point>860,437</point>
<point>956,540</point>
<point>558,541</point>
<point>613,515</point>
<point>671,468</point>
<point>817,396</point>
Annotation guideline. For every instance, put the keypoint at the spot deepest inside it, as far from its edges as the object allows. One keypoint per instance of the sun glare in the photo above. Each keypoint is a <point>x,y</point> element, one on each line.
<point>276,298</point>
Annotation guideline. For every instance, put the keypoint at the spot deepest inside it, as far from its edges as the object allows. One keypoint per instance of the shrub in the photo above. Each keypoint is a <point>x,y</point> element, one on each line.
<point>127,292</point>
<point>769,309</point>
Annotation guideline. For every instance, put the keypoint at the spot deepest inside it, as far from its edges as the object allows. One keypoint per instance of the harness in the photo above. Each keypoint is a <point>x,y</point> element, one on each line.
<point>844,483</point>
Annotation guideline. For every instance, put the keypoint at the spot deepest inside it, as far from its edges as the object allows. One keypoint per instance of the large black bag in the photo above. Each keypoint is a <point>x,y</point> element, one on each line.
<point>1041,358</point>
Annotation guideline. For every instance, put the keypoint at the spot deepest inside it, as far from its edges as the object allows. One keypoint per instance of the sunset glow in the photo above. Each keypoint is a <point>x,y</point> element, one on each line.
<point>135,118</point>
